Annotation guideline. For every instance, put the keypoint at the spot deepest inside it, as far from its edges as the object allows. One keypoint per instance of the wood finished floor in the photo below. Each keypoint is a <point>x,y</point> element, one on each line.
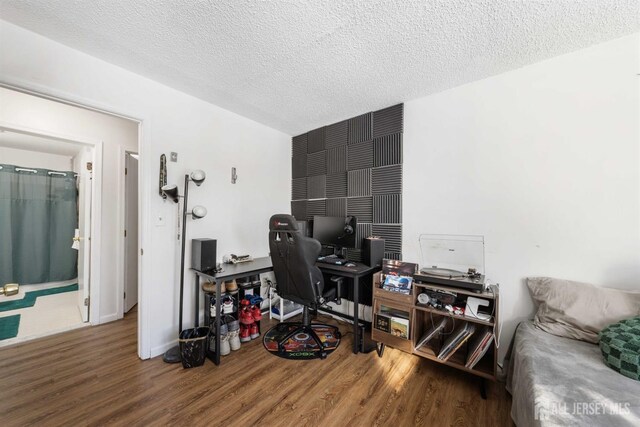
<point>92,376</point>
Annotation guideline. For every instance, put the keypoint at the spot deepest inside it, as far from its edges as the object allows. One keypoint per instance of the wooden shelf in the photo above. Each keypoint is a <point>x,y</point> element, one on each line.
<point>491,294</point>
<point>453,316</point>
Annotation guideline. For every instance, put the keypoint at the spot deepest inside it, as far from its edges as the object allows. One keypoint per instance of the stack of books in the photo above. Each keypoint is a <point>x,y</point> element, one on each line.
<point>479,346</point>
<point>458,337</point>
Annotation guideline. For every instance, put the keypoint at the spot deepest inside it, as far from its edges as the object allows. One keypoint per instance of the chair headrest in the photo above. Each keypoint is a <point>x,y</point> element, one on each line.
<point>283,222</point>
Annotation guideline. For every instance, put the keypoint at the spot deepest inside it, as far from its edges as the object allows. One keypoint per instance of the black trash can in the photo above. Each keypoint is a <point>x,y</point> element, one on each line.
<point>193,346</point>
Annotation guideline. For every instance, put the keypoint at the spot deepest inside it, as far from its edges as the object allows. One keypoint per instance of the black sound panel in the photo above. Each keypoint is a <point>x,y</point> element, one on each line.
<point>336,135</point>
<point>360,156</point>
<point>316,187</point>
<point>337,185</point>
<point>316,207</point>
<point>361,208</point>
<point>362,232</point>
<point>360,129</point>
<point>337,207</point>
<point>299,209</point>
<point>387,150</point>
<point>388,120</point>
<point>317,163</point>
<point>387,179</point>
<point>298,188</point>
<point>299,166</point>
<point>299,145</point>
<point>359,183</point>
<point>387,209</point>
<point>392,235</point>
<point>315,140</point>
<point>337,159</point>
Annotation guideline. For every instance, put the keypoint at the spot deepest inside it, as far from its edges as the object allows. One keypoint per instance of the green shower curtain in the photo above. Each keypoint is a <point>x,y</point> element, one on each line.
<point>38,218</point>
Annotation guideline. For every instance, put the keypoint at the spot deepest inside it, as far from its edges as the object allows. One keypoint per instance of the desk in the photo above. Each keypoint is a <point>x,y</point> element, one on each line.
<point>229,272</point>
<point>263,265</point>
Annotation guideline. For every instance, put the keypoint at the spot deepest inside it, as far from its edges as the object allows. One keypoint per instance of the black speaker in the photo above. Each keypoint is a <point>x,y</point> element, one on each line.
<point>373,251</point>
<point>203,254</point>
<point>304,228</point>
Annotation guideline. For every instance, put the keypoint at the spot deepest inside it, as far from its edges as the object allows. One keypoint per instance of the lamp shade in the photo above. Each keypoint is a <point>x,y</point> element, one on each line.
<point>171,191</point>
<point>198,212</point>
<point>198,176</point>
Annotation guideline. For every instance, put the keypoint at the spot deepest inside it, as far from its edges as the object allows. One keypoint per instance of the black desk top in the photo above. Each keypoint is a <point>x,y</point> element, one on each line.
<point>263,264</point>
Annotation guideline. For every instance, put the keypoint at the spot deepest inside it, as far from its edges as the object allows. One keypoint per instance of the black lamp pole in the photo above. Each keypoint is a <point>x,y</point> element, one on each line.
<point>184,242</point>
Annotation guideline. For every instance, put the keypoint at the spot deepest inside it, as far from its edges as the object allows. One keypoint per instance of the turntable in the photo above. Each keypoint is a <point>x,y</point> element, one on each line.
<point>455,261</point>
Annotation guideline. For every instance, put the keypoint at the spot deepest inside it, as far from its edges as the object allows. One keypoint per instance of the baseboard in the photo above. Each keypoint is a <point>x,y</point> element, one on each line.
<point>157,351</point>
<point>108,318</point>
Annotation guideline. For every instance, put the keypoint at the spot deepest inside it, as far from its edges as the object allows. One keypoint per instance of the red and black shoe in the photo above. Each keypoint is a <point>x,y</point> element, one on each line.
<point>254,331</point>
<point>245,335</point>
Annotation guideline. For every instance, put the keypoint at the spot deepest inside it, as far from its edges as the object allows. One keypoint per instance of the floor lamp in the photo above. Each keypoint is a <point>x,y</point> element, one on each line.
<point>171,191</point>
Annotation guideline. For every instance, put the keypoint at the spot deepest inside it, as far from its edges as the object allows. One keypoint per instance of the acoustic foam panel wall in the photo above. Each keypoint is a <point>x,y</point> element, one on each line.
<point>353,167</point>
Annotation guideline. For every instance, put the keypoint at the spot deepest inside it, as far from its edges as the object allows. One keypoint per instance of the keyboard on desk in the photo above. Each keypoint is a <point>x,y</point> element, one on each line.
<point>332,259</point>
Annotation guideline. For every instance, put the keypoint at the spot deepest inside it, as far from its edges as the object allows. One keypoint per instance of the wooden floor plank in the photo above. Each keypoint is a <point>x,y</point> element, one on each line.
<point>92,376</point>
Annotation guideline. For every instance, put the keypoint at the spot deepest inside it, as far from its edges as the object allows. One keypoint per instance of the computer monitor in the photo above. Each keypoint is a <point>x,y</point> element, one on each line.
<point>336,231</point>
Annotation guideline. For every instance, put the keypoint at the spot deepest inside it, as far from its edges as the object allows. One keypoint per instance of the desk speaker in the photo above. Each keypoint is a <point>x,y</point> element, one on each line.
<point>203,254</point>
<point>373,251</point>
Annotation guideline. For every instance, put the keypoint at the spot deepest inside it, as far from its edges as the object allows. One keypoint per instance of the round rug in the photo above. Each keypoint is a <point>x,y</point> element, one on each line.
<point>301,346</point>
<point>620,347</point>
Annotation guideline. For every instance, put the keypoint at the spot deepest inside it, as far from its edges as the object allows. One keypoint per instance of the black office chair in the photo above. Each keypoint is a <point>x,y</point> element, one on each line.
<point>298,279</point>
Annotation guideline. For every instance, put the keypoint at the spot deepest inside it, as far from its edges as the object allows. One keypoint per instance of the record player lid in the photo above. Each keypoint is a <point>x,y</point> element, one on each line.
<point>441,252</point>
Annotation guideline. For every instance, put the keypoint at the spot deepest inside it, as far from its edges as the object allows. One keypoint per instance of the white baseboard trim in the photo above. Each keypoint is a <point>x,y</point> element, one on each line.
<point>108,318</point>
<point>157,351</point>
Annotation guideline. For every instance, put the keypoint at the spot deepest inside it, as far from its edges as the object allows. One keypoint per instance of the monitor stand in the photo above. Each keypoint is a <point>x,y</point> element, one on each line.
<point>333,251</point>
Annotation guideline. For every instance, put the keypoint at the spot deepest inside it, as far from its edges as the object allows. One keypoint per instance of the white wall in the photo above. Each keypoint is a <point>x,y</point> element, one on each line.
<point>205,136</point>
<point>543,161</point>
<point>35,159</point>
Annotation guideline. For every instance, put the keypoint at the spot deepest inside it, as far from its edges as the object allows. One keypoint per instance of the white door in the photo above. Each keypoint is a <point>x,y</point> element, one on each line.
<point>131,233</point>
<point>84,231</point>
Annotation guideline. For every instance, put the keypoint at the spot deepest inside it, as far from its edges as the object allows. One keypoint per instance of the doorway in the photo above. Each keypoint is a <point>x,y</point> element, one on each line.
<point>45,202</point>
<point>130,231</point>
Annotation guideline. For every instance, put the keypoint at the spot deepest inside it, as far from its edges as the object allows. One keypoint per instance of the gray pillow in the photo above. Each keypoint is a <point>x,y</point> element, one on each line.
<point>579,310</point>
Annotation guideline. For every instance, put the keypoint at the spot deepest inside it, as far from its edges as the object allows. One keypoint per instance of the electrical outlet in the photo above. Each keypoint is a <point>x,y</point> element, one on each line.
<point>174,156</point>
<point>160,221</point>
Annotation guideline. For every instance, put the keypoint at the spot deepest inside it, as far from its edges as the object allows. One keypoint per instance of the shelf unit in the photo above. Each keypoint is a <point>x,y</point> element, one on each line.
<point>422,317</point>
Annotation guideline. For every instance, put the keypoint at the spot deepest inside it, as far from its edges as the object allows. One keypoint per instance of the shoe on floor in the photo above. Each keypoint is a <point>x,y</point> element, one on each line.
<point>254,331</point>
<point>244,333</point>
<point>234,340</point>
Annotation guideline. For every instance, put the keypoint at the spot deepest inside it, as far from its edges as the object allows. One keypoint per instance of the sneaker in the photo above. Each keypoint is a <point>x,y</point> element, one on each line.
<point>225,348</point>
<point>254,332</point>
<point>224,330</point>
<point>256,313</point>
<point>244,333</point>
<point>212,307</point>
<point>234,340</point>
<point>232,287</point>
<point>228,306</point>
<point>245,316</point>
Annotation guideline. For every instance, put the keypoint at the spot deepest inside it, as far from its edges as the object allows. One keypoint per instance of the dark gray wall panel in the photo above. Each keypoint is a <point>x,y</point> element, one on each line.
<point>360,156</point>
<point>316,187</point>
<point>299,166</point>
<point>299,145</point>
<point>315,140</point>
<point>317,163</point>
<point>337,159</point>
<point>362,232</point>
<point>337,207</point>
<point>393,255</point>
<point>337,185</point>
<point>336,135</point>
<point>361,208</point>
<point>360,129</point>
<point>298,188</point>
<point>388,120</point>
<point>392,235</point>
<point>385,180</point>
<point>316,207</point>
<point>387,150</point>
<point>359,183</point>
<point>387,209</point>
<point>299,210</point>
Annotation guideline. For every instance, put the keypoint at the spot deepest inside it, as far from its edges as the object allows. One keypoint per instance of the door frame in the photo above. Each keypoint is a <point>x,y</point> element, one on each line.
<point>121,206</point>
<point>96,207</point>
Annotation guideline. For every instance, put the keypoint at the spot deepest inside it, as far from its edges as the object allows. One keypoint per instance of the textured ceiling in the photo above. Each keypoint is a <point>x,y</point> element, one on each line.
<point>299,64</point>
<point>24,141</point>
